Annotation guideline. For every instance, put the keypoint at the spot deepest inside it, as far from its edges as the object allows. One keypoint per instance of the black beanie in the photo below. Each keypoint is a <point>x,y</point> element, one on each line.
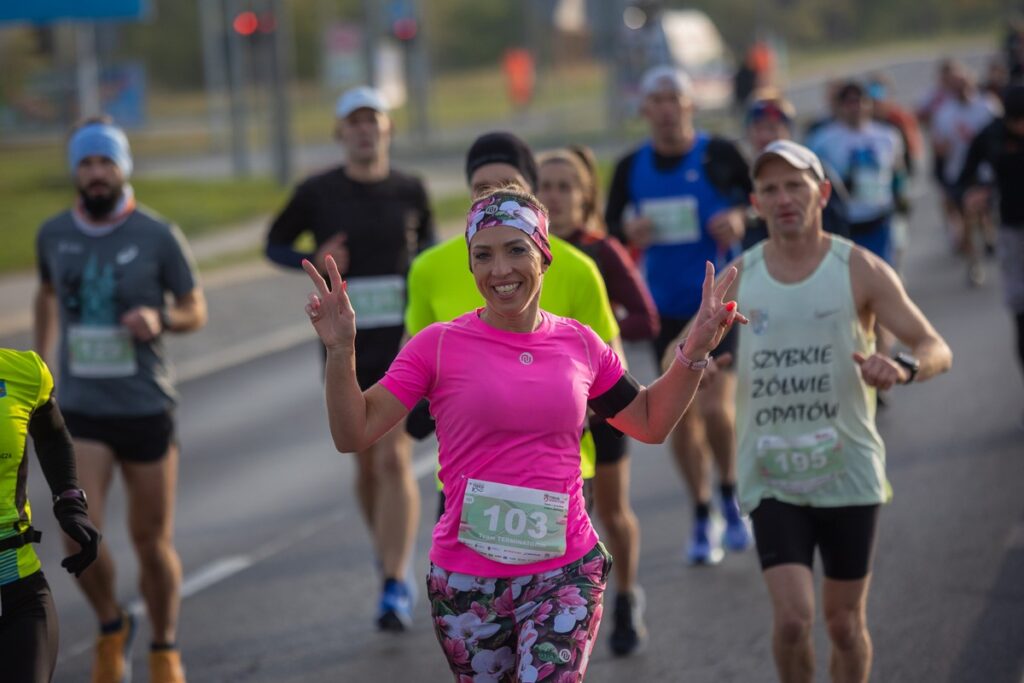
<point>1013,102</point>
<point>502,148</point>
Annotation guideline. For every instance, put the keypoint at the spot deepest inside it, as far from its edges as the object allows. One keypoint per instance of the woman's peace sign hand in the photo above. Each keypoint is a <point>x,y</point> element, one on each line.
<point>715,317</point>
<point>330,310</point>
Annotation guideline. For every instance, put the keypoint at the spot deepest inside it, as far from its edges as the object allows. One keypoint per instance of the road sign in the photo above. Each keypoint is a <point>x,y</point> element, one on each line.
<point>44,11</point>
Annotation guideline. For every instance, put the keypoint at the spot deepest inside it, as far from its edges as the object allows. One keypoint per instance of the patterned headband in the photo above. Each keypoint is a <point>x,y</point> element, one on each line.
<point>514,212</point>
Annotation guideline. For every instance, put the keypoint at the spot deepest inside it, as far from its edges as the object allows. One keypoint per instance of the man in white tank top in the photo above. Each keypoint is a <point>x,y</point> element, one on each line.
<point>811,463</point>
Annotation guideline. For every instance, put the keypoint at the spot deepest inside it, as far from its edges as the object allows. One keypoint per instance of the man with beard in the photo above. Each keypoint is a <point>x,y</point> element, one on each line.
<point>373,219</point>
<point>106,267</point>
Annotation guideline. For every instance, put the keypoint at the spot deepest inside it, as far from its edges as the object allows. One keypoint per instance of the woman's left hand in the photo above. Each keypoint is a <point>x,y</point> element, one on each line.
<point>715,317</point>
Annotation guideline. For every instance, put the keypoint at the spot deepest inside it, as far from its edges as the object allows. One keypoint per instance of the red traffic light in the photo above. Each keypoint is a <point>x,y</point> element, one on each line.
<point>246,23</point>
<point>404,29</point>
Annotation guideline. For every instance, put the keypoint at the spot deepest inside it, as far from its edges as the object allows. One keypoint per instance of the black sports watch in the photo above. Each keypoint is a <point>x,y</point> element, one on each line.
<point>911,364</point>
<point>78,494</point>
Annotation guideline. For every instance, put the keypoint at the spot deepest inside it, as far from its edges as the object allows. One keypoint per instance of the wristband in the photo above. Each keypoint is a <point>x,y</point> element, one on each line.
<point>77,494</point>
<point>165,320</point>
<point>690,364</point>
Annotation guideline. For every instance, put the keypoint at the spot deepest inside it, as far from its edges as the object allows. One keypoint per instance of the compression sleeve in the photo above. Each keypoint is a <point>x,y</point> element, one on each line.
<point>53,447</point>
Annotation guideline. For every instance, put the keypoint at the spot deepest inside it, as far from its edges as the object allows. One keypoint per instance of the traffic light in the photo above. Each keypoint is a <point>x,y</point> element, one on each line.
<point>246,23</point>
<point>404,29</point>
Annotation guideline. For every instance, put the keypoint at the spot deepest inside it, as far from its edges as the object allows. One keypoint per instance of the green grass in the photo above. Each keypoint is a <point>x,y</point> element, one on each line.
<point>34,185</point>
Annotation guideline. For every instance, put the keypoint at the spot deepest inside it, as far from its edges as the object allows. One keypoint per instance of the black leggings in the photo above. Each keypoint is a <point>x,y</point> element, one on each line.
<point>1020,339</point>
<point>28,630</point>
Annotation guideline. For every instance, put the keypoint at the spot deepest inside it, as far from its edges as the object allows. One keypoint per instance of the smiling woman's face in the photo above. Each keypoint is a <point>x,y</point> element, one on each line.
<point>508,269</point>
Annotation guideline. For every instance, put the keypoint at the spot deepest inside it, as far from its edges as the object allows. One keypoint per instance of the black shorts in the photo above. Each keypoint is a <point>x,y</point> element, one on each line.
<point>28,630</point>
<point>788,534</point>
<point>670,329</point>
<point>375,349</point>
<point>609,444</point>
<point>132,439</point>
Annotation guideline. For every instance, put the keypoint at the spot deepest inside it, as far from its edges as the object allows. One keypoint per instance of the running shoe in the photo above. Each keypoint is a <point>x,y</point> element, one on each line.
<point>113,657</point>
<point>395,611</point>
<point>736,537</point>
<point>165,666</point>
<point>975,275</point>
<point>628,630</point>
<point>701,550</point>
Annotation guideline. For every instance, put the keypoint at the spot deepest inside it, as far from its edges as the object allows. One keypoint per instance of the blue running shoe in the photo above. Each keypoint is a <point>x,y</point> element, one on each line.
<point>701,550</point>
<point>736,537</point>
<point>395,611</point>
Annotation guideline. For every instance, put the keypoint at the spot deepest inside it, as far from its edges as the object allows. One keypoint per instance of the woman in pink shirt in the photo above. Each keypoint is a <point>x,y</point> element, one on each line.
<point>517,572</point>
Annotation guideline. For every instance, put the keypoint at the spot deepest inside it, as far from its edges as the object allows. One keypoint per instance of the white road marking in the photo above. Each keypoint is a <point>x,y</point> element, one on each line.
<point>245,351</point>
<point>224,568</point>
<point>1015,539</point>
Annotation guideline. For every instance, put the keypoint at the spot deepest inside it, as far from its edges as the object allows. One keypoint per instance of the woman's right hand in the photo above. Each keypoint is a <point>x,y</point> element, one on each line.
<point>330,311</point>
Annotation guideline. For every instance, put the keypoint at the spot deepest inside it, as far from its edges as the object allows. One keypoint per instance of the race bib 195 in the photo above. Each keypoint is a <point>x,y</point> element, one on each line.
<point>800,464</point>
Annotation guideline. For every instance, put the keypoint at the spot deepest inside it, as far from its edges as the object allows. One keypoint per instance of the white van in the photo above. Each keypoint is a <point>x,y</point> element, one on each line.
<point>687,39</point>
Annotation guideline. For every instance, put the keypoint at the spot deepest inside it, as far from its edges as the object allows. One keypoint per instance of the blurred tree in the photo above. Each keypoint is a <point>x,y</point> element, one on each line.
<point>168,44</point>
<point>470,33</point>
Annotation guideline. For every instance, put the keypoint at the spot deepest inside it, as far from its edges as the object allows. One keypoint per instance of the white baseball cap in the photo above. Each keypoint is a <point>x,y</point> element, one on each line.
<point>362,97</point>
<point>796,155</point>
<point>665,77</point>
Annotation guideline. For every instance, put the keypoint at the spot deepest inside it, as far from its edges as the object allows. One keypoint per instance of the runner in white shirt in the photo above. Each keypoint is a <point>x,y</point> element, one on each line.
<point>957,120</point>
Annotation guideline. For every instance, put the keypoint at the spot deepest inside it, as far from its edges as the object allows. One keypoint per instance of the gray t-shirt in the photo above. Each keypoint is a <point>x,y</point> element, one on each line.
<point>104,372</point>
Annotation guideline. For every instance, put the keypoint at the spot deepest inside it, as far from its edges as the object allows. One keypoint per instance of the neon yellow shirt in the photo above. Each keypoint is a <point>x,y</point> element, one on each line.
<point>441,288</point>
<point>25,385</point>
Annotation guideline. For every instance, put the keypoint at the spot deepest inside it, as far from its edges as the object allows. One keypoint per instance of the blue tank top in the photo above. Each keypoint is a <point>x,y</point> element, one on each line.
<point>675,271</point>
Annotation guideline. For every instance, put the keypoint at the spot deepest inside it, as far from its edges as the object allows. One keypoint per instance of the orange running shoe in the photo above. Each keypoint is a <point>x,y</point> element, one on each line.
<point>113,660</point>
<point>165,667</point>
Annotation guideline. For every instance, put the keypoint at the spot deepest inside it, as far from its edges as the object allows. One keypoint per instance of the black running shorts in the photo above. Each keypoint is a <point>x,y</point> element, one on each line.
<point>609,443</point>
<point>375,349</point>
<point>132,439</point>
<point>670,329</point>
<point>788,534</point>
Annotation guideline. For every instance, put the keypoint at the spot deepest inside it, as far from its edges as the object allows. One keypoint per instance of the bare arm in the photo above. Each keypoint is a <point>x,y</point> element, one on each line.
<point>879,291</point>
<point>45,322</point>
<point>657,408</point>
<point>357,419</point>
<point>186,315</point>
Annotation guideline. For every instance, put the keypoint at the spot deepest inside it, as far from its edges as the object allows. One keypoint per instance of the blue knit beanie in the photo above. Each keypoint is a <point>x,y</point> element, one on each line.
<point>100,139</point>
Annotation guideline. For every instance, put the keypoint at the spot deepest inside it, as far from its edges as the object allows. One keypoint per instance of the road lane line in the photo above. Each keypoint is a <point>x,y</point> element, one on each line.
<point>1015,539</point>
<point>224,568</point>
<point>243,352</point>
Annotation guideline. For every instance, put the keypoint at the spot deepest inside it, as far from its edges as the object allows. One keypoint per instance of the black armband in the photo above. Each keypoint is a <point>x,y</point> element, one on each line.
<point>621,394</point>
<point>53,447</point>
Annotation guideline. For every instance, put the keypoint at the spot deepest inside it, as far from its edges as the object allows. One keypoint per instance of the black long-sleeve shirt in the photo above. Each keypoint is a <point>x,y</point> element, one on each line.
<point>1003,151</point>
<point>386,223</point>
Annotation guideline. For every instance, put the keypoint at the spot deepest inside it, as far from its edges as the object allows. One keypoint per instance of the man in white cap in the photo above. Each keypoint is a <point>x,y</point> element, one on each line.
<point>106,267</point>
<point>373,220</point>
<point>681,199</point>
<point>811,462</point>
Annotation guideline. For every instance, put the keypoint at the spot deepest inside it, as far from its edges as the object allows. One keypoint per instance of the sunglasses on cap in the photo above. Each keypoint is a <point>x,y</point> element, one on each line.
<point>769,109</point>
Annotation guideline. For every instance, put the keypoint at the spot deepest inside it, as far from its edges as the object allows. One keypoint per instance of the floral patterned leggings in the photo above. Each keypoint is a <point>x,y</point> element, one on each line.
<point>539,627</point>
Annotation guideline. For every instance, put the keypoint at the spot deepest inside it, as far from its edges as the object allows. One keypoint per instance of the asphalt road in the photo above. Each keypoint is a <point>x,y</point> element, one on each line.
<point>280,579</point>
<point>267,518</point>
